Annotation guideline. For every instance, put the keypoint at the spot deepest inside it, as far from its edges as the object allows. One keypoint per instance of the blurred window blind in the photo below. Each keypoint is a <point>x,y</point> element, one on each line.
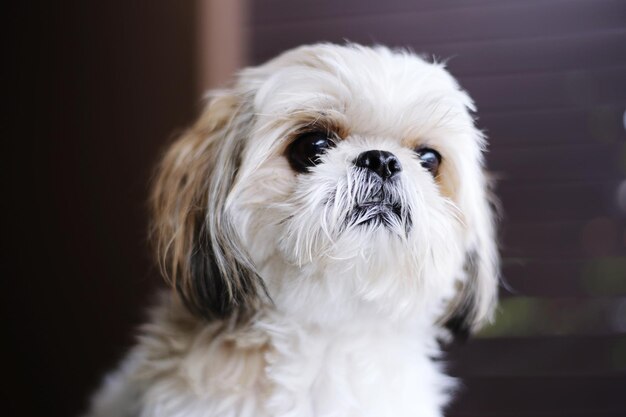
<point>549,79</point>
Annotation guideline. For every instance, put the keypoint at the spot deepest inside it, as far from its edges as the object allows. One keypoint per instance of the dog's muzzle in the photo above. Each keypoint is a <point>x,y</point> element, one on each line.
<point>377,199</point>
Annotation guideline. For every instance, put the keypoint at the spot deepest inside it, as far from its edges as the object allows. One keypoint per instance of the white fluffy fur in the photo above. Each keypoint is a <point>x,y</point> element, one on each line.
<point>355,324</point>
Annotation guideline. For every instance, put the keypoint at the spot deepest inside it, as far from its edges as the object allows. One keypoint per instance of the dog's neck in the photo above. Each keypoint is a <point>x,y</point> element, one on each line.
<point>337,299</point>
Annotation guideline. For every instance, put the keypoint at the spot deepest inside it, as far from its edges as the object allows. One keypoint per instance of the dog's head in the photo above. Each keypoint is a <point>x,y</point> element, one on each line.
<point>331,181</point>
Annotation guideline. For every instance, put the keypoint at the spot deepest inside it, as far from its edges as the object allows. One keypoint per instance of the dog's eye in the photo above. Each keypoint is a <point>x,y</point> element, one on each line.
<point>430,159</point>
<point>306,150</point>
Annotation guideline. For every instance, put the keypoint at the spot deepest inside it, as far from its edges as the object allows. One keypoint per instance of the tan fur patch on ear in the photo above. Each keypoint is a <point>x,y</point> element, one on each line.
<point>180,193</point>
<point>178,199</point>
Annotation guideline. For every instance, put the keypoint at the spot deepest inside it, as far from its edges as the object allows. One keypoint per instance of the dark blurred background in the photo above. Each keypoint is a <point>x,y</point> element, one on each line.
<point>96,90</point>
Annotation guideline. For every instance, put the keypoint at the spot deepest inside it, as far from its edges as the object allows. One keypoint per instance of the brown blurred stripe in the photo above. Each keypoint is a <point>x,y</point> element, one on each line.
<point>534,202</point>
<point>584,355</point>
<point>601,49</point>
<point>564,240</point>
<point>601,276</point>
<point>575,88</point>
<point>508,396</point>
<point>558,316</point>
<point>424,28</point>
<point>548,127</point>
<point>276,11</point>
<point>558,163</point>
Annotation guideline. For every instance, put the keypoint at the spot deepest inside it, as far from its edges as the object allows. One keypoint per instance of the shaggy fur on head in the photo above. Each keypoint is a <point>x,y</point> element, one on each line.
<point>324,225</point>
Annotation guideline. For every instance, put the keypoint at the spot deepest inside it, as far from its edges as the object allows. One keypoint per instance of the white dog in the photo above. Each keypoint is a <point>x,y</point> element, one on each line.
<point>325,225</point>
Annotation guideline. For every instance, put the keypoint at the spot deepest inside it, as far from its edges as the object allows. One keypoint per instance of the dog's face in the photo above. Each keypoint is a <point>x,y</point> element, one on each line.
<point>332,181</point>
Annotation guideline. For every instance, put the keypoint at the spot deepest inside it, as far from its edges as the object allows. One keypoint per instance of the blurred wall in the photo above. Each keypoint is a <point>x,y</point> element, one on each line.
<point>96,90</point>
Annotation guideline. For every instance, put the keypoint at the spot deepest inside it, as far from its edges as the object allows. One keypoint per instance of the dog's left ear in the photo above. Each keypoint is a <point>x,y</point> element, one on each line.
<point>476,299</point>
<point>197,245</point>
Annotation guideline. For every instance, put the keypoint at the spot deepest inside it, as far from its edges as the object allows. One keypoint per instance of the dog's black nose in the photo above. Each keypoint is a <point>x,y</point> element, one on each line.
<point>384,163</point>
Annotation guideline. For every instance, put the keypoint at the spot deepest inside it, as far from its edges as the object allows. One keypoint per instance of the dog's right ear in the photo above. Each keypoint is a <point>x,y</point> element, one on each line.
<point>197,246</point>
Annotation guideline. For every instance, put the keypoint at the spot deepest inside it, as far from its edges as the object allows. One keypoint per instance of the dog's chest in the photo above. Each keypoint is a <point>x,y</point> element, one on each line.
<point>373,373</point>
<point>281,369</point>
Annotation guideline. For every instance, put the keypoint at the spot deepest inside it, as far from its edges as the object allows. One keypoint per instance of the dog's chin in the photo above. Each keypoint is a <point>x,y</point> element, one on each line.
<point>377,213</point>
